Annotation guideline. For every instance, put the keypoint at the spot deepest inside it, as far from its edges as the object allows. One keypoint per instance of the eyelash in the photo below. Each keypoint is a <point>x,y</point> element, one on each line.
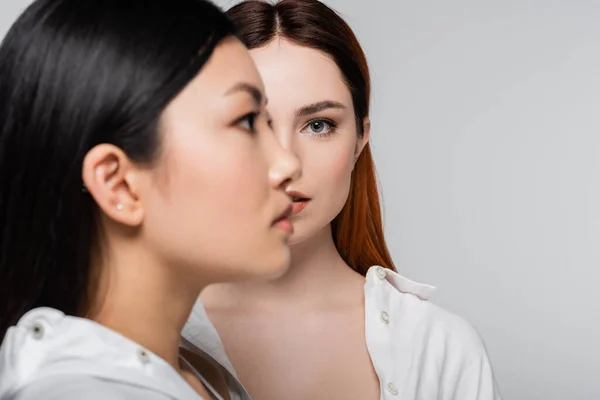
<point>251,119</point>
<point>332,127</point>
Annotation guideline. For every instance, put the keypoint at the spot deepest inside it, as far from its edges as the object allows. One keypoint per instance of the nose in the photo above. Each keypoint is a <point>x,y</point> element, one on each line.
<point>285,166</point>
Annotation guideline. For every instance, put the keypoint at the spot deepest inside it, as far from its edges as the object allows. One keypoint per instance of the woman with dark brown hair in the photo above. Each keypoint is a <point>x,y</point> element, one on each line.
<point>341,323</point>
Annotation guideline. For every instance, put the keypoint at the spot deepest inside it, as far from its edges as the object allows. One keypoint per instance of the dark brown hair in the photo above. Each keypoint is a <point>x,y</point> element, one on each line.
<point>358,229</point>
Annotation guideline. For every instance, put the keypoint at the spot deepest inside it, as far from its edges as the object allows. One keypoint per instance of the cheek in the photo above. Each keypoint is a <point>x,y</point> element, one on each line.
<point>224,182</point>
<point>331,170</point>
<point>210,198</point>
<point>210,170</point>
<point>340,171</point>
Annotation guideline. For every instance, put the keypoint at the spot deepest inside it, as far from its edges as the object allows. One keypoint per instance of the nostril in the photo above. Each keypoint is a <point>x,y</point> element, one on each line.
<point>285,183</point>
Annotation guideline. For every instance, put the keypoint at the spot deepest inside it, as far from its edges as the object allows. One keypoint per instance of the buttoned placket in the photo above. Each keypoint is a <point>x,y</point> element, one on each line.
<point>384,328</point>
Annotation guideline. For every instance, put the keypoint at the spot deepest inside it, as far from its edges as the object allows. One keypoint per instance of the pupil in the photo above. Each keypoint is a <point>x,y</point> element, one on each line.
<point>317,126</point>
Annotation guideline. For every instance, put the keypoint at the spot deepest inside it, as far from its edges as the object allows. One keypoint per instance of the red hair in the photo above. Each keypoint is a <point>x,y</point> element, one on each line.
<point>358,229</point>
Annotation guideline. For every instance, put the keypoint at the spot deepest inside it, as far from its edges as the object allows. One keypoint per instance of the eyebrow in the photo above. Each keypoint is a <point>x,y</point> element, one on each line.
<point>252,90</point>
<point>319,106</point>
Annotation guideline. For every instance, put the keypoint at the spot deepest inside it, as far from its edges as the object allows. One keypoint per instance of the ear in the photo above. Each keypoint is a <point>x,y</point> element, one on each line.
<point>110,178</point>
<point>361,142</point>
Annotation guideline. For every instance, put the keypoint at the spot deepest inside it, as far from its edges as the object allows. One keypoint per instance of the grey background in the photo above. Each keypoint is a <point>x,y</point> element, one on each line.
<point>486,129</point>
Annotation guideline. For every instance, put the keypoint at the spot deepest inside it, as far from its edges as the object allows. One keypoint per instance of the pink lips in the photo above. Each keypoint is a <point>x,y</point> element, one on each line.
<point>283,222</point>
<point>300,201</point>
<point>299,206</point>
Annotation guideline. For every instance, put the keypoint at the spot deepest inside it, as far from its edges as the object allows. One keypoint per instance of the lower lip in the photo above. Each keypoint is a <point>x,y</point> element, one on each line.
<point>285,224</point>
<point>299,206</point>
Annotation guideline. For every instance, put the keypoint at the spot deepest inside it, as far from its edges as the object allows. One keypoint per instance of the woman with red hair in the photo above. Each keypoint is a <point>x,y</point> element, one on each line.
<point>341,323</point>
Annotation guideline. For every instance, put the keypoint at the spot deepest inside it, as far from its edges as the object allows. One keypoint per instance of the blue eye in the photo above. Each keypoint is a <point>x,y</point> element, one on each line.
<point>319,127</point>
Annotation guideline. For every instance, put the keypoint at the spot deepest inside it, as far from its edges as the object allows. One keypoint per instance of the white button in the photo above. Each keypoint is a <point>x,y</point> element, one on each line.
<point>381,272</point>
<point>37,331</point>
<point>385,317</point>
<point>143,356</point>
<point>392,388</point>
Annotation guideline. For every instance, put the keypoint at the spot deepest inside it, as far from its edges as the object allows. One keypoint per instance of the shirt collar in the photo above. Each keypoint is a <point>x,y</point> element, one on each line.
<point>400,283</point>
<point>46,342</point>
<point>201,333</point>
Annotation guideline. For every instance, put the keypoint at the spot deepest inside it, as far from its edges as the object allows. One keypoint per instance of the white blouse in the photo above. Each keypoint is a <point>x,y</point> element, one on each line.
<point>419,351</point>
<point>51,356</point>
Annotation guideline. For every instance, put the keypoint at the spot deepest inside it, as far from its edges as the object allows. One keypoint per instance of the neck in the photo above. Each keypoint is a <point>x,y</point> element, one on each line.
<point>316,268</point>
<point>316,260</point>
<point>142,300</point>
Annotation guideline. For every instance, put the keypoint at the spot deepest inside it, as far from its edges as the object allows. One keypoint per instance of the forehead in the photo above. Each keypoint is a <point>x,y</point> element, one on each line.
<point>229,65</point>
<point>295,75</point>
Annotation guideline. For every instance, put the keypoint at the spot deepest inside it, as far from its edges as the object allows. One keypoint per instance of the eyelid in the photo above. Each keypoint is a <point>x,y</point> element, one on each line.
<point>321,119</point>
<point>255,113</point>
<point>252,116</point>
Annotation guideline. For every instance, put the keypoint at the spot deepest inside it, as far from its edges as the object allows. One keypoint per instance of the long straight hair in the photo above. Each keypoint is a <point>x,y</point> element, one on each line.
<point>74,74</point>
<point>358,229</point>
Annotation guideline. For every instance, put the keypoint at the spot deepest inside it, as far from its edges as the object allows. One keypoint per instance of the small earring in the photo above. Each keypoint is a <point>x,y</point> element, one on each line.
<point>120,207</point>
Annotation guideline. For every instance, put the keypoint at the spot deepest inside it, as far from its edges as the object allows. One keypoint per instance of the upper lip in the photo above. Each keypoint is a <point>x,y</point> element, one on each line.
<point>295,195</point>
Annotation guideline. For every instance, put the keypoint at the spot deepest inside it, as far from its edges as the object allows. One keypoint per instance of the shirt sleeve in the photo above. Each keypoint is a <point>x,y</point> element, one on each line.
<point>477,382</point>
<point>467,372</point>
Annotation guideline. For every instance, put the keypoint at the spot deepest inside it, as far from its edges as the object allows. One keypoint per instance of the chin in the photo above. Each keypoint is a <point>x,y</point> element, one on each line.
<point>267,268</point>
<point>301,233</point>
<point>304,231</point>
<point>279,265</point>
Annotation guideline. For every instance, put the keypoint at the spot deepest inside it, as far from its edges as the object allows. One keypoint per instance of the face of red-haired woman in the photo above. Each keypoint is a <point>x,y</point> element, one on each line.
<point>313,116</point>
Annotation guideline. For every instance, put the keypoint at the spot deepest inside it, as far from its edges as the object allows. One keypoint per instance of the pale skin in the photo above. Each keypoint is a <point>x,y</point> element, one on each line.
<point>304,332</point>
<point>169,228</point>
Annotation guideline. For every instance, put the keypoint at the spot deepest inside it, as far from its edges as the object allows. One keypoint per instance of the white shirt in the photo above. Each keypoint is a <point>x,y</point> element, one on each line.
<point>419,351</point>
<point>50,356</point>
